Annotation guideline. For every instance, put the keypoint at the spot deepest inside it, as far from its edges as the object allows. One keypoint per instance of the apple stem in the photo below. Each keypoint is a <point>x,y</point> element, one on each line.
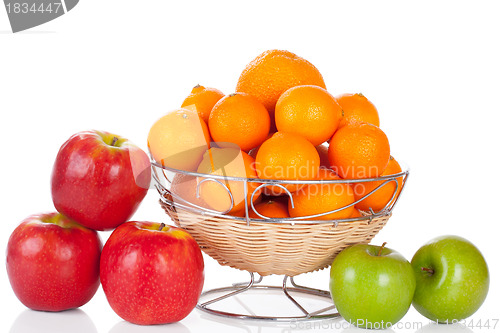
<point>114,141</point>
<point>428,270</point>
<point>381,248</point>
<point>162,225</point>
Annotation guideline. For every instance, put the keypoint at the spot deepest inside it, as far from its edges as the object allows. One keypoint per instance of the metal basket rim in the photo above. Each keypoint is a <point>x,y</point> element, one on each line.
<point>369,215</point>
<point>404,171</point>
<point>278,221</point>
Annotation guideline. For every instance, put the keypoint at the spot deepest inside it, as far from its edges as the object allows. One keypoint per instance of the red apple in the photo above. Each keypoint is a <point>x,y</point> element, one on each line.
<point>151,273</point>
<point>99,179</point>
<point>53,262</point>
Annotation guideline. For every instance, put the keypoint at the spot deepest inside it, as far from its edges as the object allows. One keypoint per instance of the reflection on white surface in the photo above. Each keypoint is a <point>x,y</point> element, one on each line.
<point>234,324</point>
<point>266,302</point>
<point>75,321</point>
<point>126,327</point>
<point>445,328</point>
<point>239,325</point>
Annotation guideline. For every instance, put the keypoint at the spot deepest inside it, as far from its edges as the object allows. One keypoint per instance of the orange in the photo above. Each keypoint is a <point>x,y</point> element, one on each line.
<point>202,100</point>
<point>240,213</point>
<point>241,119</point>
<point>287,156</point>
<point>183,189</point>
<point>273,72</point>
<point>355,213</point>
<point>228,162</point>
<point>357,108</point>
<point>179,139</point>
<point>379,199</point>
<point>321,198</point>
<point>253,151</point>
<point>271,209</point>
<point>359,150</point>
<point>323,155</point>
<point>309,111</point>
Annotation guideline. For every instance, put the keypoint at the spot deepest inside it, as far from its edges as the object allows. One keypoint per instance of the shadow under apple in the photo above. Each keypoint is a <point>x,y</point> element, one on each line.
<point>75,321</point>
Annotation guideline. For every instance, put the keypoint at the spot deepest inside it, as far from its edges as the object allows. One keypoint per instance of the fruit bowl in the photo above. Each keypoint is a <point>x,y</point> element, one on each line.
<point>284,246</point>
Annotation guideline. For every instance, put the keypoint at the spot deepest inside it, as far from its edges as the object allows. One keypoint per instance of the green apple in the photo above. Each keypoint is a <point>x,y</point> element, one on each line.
<point>371,286</point>
<point>452,279</point>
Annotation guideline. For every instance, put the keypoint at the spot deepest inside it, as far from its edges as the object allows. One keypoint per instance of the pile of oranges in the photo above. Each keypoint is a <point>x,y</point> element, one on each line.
<point>280,123</point>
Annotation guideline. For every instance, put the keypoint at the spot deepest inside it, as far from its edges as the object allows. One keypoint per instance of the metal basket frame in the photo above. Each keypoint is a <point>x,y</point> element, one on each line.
<point>182,203</point>
<point>171,199</point>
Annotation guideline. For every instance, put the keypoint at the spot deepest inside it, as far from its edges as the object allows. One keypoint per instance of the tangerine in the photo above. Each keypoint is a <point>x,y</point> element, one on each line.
<point>309,111</point>
<point>356,213</point>
<point>287,156</point>
<point>241,119</point>
<point>321,198</point>
<point>357,108</point>
<point>202,100</point>
<point>273,72</point>
<point>381,197</point>
<point>271,208</point>
<point>359,150</point>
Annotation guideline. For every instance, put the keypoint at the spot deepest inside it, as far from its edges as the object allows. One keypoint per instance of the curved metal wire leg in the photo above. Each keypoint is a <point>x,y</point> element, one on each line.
<point>285,290</point>
<point>259,280</point>
<point>236,292</point>
<point>314,291</point>
<point>307,290</point>
<point>238,288</point>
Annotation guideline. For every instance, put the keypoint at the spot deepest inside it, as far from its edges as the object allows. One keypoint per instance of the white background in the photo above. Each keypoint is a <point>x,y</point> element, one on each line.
<point>431,68</point>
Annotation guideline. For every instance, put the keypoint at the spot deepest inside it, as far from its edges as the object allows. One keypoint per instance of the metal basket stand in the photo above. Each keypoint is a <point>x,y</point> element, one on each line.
<point>210,298</point>
<point>255,284</point>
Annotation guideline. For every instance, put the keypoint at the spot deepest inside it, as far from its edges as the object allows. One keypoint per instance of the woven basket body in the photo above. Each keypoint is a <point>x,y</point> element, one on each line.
<point>273,248</point>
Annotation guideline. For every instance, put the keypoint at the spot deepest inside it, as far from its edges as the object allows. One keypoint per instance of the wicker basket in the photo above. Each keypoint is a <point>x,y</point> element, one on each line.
<point>268,247</point>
